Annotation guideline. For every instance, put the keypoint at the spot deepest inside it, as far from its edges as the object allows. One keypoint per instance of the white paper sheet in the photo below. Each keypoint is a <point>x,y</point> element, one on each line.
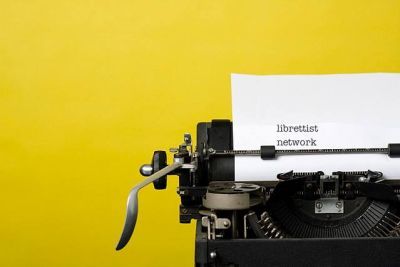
<point>340,110</point>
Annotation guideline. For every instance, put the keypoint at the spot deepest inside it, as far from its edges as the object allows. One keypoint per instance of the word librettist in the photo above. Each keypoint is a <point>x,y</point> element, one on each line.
<point>283,128</point>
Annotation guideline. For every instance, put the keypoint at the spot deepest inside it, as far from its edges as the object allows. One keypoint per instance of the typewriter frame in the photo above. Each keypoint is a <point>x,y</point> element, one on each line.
<point>361,251</point>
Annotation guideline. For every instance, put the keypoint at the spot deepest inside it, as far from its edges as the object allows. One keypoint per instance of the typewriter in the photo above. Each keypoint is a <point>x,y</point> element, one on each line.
<point>313,218</point>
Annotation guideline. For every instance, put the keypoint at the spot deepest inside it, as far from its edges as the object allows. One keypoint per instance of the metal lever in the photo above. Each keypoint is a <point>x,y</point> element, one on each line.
<point>132,203</point>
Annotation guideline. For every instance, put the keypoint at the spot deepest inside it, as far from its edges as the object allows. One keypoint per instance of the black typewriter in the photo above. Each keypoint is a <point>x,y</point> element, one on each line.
<point>313,218</point>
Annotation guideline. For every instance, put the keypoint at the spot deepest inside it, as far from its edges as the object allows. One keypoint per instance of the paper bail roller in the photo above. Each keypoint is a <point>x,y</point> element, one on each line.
<point>394,150</point>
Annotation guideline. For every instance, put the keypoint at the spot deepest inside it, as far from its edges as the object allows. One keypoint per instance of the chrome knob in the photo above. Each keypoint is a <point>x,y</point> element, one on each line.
<point>146,170</point>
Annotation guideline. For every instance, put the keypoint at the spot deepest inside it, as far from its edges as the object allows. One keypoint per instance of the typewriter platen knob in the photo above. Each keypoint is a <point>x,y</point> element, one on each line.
<point>159,162</point>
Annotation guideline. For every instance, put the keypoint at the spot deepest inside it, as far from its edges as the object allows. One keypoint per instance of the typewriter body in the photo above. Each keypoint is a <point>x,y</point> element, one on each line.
<point>313,218</point>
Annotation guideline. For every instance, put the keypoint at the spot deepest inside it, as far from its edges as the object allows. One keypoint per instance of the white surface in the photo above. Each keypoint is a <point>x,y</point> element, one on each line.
<point>350,110</point>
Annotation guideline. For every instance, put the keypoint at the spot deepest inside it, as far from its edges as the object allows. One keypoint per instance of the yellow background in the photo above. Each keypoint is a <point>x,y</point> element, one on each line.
<point>88,89</point>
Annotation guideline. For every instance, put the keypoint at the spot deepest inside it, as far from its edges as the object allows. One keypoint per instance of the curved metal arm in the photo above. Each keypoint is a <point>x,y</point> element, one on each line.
<point>132,204</point>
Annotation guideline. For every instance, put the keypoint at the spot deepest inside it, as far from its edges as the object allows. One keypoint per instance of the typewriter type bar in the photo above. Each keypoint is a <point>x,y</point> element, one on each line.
<point>269,152</point>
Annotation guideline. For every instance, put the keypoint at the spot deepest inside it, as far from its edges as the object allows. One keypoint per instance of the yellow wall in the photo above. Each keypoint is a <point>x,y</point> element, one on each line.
<point>88,89</point>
